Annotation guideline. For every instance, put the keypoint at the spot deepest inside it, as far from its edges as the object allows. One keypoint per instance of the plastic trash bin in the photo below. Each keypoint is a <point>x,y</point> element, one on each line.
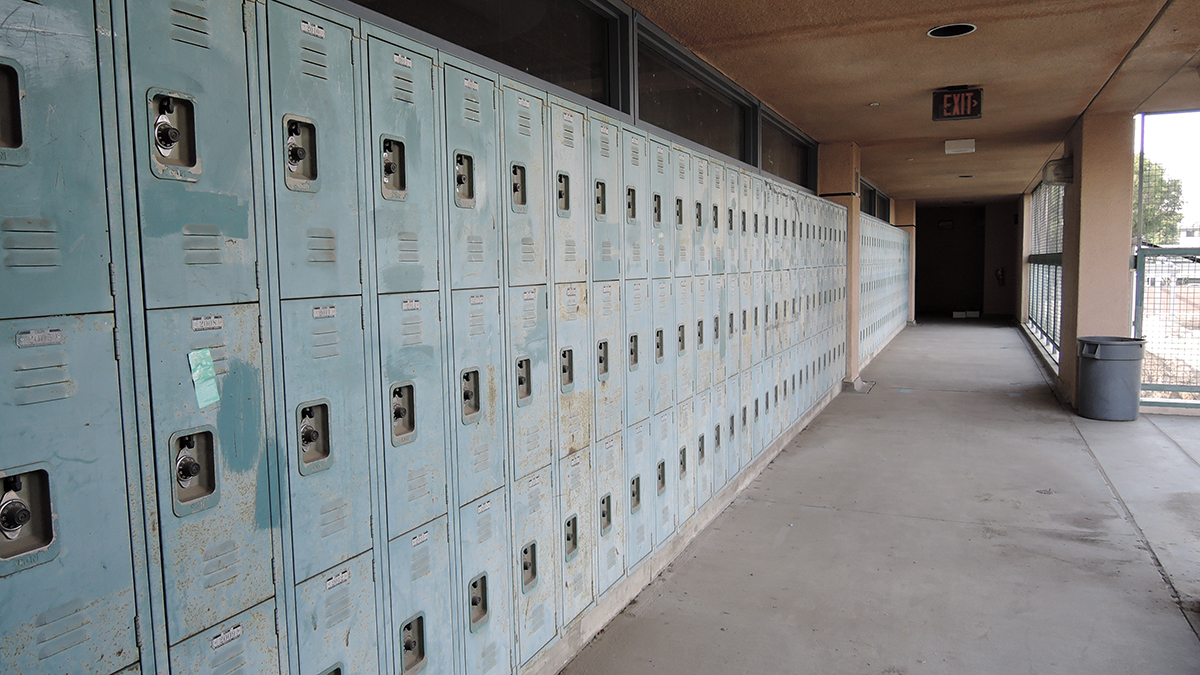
<point>1110,377</point>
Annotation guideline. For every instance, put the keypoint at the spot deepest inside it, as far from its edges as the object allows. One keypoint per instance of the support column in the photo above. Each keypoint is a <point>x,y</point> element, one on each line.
<point>838,167</point>
<point>904,216</point>
<point>1026,251</point>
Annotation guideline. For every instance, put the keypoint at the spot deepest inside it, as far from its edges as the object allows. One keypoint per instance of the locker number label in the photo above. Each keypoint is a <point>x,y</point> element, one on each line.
<point>214,322</point>
<point>484,507</point>
<point>402,60</point>
<point>411,305</point>
<point>325,312</point>
<point>337,579</point>
<point>420,539</point>
<point>529,295</point>
<point>41,337</point>
<point>312,29</point>
<point>226,636</point>
<point>476,299</point>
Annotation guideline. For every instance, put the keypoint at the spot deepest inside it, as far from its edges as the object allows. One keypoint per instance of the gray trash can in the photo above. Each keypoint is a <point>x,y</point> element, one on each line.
<point>1110,377</point>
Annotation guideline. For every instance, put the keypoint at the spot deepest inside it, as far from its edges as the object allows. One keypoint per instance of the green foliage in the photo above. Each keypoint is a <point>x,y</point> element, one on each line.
<point>1162,204</point>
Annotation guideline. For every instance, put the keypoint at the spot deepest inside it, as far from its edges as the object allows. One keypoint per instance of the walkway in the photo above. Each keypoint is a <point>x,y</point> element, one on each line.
<point>954,520</point>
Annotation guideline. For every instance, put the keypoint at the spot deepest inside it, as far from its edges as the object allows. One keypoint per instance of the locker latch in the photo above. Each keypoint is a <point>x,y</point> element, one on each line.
<point>564,194</point>
<point>14,512</point>
<point>477,595</point>
<point>470,395</point>
<point>174,131</point>
<point>404,418</point>
<point>700,450</point>
<point>601,200</point>
<point>658,346</point>
<point>519,193</point>
<point>635,494</point>
<point>524,382</point>
<point>681,338</point>
<point>195,466</point>
<point>662,477</point>
<point>313,432</point>
<point>529,569</point>
<point>566,370</point>
<point>630,203</point>
<point>26,523</point>
<point>412,638</point>
<point>571,538</point>
<point>464,180</point>
<point>300,152</point>
<point>633,352</point>
<point>606,518</point>
<point>393,166</point>
<point>683,461</point>
<point>602,360</point>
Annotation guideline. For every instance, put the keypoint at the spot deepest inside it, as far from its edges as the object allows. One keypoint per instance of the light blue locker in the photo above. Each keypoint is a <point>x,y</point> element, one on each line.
<point>663,351</point>
<point>414,424</point>
<point>747,223</point>
<point>486,616</point>
<point>314,154</point>
<point>609,358</point>
<point>529,378</point>
<point>685,338</point>
<point>699,214</point>
<point>535,552</point>
<point>524,161</point>
<point>66,578</point>
<point>474,188</point>
<point>571,209</point>
<point>685,461</point>
<point>732,445</point>
<point>770,315</point>
<point>736,222</point>
<point>773,411</point>
<point>325,432</point>
<point>746,311</point>
<point>404,99</point>
<point>793,244</point>
<point>720,334</point>
<point>215,526</point>
<point>702,433</point>
<point>572,379</point>
<point>683,212</point>
<point>247,641</point>
<point>767,384</point>
<point>477,415</point>
<point>720,446</point>
<point>758,238</point>
<point>639,493</point>
<point>772,201</point>
<point>607,196</point>
<point>665,455</point>
<point>731,328</point>
<point>610,512</point>
<point>758,408</point>
<point>746,417</point>
<point>796,285</point>
<point>335,618</point>
<point>53,222</point>
<point>192,144</point>
<point>702,332</point>
<point>639,350</point>
<point>662,211</point>
<point>577,532</point>
<point>758,322</point>
<point>721,221</point>
<point>635,170</point>
<point>422,624</point>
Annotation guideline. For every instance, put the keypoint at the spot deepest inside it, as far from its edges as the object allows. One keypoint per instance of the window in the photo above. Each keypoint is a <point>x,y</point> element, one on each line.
<point>1045,265</point>
<point>785,154</point>
<point>867,197</point>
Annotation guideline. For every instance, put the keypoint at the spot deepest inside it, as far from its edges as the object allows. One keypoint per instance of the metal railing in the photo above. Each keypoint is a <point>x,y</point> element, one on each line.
<point>1167,315</point>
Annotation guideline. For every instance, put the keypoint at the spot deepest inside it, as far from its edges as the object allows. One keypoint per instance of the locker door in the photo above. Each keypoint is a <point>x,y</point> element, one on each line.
<point>314,156</point>
<point>758,318</point>
<point>702,332</point>
<point>486,627</point>
<point>524,140</point>
<point>639,493</point>
<point>683,212</point>
<point>731,329</point>
<point>773,206</point>
<point>665,455</point>
<point>639,350</point>
<point>684,338</point>
<point>746,313</point>
<point>478,412</point>
<point>404,174</point>
<point>192,140</point>
<point>719,325</point>
<point>215,525</point>
<point>420,595</point>
<point>663,350</point>
<point>716,430</point>
<point>685,461</point>
<point>699,215</point>
<point>721,220</point>
<point>609,359</point>
<point>335,612</point>
<point>63,461</point>
<point>746,417</point>
<point>247,640</point>
<point>611,508</point>
<point>635,170</point>
<point>770,315</point>
<point>662,212</point>
<point>733,225</point>
<point>702,432</point>
<point>411,335</point>
<point>569,193</point>
<point>746,227</point>
<point>473,186</point>
<point>53,222</point>
<point>573,373</point>
<point>535,551</point>
<point>758,409</point>
<point>576,532</point>
<point>732,446</point>
<point>607,197</point>
<point>529,377</point>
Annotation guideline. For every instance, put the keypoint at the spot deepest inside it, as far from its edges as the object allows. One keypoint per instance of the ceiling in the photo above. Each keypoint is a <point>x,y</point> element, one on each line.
<point>1040,63</point>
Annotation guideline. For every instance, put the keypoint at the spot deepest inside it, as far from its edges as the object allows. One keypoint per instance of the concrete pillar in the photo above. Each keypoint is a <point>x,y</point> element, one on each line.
<point>904,216</point>
<point>838,167</point>
<point>1097,237</point>
<point>1026,250</point>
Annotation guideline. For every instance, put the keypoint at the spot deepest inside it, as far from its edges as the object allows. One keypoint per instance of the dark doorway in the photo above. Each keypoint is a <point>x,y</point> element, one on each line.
<point>950,248</point>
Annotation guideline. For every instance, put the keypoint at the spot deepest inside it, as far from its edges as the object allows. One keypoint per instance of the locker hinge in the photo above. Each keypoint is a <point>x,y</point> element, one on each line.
<point>247,16</point>
<point>362,318</point>
<point>116,344</point>
<point>439,270</point>
<point>257,280</point>
<point>273,582</point>
<point>112,280</point>
<point>277,621</point>
<point>360,271</point>
<point>260,329</point>
<point>432,78</point>
<point>137,629</point>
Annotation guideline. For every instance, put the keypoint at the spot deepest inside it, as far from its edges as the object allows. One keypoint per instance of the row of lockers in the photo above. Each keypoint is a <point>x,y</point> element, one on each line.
<point>883,284</point>
<point>331,353</point>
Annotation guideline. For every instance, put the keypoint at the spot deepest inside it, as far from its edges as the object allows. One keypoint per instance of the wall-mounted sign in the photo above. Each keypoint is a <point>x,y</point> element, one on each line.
<point>958,103</point>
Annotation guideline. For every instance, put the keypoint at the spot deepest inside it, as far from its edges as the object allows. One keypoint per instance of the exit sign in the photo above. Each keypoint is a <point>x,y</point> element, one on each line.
<point>965,103</point>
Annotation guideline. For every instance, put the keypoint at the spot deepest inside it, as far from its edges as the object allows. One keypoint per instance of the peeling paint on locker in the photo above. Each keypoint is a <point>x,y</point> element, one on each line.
<point>607,203</point>
<point>422,627</point>
<point>639,350</point>
<point>576,532</point>
<point>572,378</point>
<point>609,359</point>
<point>536,554</point>
<point>524,164</point>
<point>486,614</point>
<point>611,507</point>
<point>335,618</point>
<point>570,196</point>
<point>477,414</point>
<point>662,211</point>
<point>472,184</point>
<point>530,378</point>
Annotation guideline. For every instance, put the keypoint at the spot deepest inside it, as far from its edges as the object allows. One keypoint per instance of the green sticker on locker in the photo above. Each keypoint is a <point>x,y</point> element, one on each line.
<point>204,377</point>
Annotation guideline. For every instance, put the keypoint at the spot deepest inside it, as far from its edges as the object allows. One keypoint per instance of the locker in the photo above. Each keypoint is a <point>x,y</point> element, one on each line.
<point>607,203</point>
<point>639,493</point>
<point>775,211</point>
<point>192,149</point>
<point>685,462</point>
<point>719,441</point>
<point>335,618</point>
<point>759,408</point>
<point>535,552</point>
<point>53,222</point>
<point>63,466</point>
<point>404,99</point>
<point>685,338</point>
<point>609,359</point>
<point>576,532</point>
<point>746,417</point>
<point>662,348</point>
<point>526,213</point>
<point>639,350</point>
<point>529,378</point>
<point>758,234</point>
<point>573,373</point>
<point>324,422</point>
<point>248,640</point>
<point>746,223</point>
<point>477,415</point>
<point>473,185</point>
<point>719,323</point>
<point>219,516</point>
<point>700,215</point>
<point>662,211</point>
<point>665,455</point>
<point>770,315</point>
<point>769,212</point>
<point>411,334</point>
<point>702,332</point>
<point>635,170</point>
<point>571,216</point>
<point>746,311</point>
<point>610,512</point>
<point>731,329</point>
<point>419,578</point>
<point>758,341</point>
<point>721,221</point>
<point>486,614</point>
<point>683,212</point>
<point>732,446</point>
<point>314,158</point>
<point>702,432</point>
<point>770,389</point>
<point>733,226</point>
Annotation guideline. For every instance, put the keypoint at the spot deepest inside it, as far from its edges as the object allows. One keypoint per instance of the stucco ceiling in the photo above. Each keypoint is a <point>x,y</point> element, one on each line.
<point>1040,63</point>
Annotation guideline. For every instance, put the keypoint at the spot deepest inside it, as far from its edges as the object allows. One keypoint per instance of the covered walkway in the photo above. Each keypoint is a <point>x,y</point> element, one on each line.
<point>954,520</point>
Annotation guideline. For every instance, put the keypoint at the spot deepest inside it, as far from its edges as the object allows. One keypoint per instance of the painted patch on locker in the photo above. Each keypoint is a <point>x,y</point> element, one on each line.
<point>246,641</point>
<point>573,373</point>
<point>611,500</point>
<point>610,359</point>
<point>577,528</point>
<point>478,412</point>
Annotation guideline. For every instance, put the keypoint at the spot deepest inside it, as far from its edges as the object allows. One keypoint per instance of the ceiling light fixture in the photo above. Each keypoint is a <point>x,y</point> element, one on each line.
<point>966,176</point>
<point>873,105</point>
<point>961,146</point>
<point>952,30</point>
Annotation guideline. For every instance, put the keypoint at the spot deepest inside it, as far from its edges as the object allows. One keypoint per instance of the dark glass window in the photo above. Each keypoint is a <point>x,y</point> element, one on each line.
<point>867,197</point>
<point>564,42</point>
<point>783,154</point>
<point>671,97</point>
<point>884,210</point>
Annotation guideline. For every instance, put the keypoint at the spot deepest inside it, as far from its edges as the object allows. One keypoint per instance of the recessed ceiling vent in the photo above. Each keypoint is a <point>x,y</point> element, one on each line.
<point>952,30</point>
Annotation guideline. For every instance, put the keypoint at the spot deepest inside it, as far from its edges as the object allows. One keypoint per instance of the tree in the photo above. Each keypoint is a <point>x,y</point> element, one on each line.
<point>1162,204</point>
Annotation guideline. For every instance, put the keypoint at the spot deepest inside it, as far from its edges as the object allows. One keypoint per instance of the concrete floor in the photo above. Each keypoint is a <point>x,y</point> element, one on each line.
<point>954,520</point>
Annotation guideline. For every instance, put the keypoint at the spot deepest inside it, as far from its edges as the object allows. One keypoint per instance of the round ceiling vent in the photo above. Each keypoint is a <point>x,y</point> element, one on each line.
<point>952,30</point>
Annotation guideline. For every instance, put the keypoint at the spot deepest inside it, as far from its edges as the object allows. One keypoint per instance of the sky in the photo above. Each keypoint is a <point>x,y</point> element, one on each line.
<point>1173,140</point>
